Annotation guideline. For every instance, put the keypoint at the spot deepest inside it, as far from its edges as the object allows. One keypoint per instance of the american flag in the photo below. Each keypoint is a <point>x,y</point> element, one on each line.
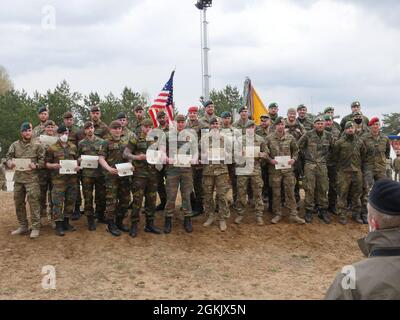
<point>164,102</point>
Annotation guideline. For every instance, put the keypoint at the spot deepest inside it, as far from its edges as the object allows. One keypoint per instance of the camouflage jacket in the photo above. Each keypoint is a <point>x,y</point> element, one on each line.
<point>315,147</point>
<point>57,152</point>
<point>282,146</point>
<point>127,134</point>
<point>44,173</point>
<point>75,134</point>
<point>139,145</point>
<point>263,132</point>
<point>112,151</point>
<point>205,121</point>
<point>335,132</point>
<point>349,153</point>
<point>27,150</point>
<point>296,130</point>
<point>136,127</point>
<point>100,129</point>
<point>241,125</point>
<point>377,151</point>
<point>91,148</point>
<point>38,130</point>
<point>349,117</point>
<point>256,164</point>
<point>307,122</point>
<point>210,169</point>
<point>396,164</point>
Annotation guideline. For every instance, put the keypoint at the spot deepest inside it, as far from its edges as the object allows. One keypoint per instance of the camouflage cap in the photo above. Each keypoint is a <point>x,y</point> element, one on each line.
<point>279,120</point>
<point>329,109</point>
<point>115,124</point>
<point>147,122</point>
<point>88,124</point>
<point>348,124</point>
<point>62,128</point>
<point>25,126</point>
<point>161,114</point>
<point>273,105</point>
<point>49,123</point>
<point>180,117</point>
<point>43,109</point>
<point>226,114</point>
<point>301,106</point>
<point>68,115</point>
<point>355,104</point>
<point>249,123</point>
<point>95,109</point>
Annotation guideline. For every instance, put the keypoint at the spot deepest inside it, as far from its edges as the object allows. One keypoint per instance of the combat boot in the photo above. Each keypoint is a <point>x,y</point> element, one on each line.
<point>161,206</point>
<point>91,224</point>
<point>100,217</point>
<point>209,221</point>
<point>34,233</point>
<point>357,218</point>
<point>113,229</point>
<point>260,221</point>
<point>342,219</point>
<point>67,226</point>
<point>332,209</point>
<point>119,222</point>
<point>296,219</point>
<point>59,228</point>
<point>168,225</point>
<point>364,218</point>
<point>308,216</point>
<point>324,216</point>
<point>20,231</point>
<point>238,219</point>
<point>187,224</point>
<point>222,225</point>
<point>150,227</point>
<point>76,215</point>
<point>133,230</point>
<point>276,219</point>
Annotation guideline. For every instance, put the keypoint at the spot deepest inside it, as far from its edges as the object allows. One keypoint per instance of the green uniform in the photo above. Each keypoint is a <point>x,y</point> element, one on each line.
<point>38,130</point>
<point>92,179</point>
<point>332,176</point>
<point>349,154</point>
<point>144,180</point>
<point>316,148</point>
<point>396,167</point>
<point>241,125</point>
<point>117,188</point>
<point>205,121</point>
<point>282,146</point>
<point>26,183</point>
<point>136,127</point>
<point>267,190</point>
<point>307,122</point>
<point>64,190</point>
<point>349,117</point>
<point>100,129</point>
<point>127,134</point>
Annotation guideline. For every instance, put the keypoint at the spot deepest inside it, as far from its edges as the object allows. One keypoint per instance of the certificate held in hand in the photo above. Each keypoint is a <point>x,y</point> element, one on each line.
<point>90,162</point>
<point>68,166</point>
<point>22,164</point>
<point>283,163</point>
<point>124,169</point>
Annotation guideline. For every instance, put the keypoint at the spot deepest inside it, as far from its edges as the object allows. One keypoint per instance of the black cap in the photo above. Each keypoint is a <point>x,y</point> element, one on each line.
<point>385,197</point>
<point>43,109</point>
<point>62,128</point>
<point>121,115</point>
<point>207,103</point>
<point>95,109</point>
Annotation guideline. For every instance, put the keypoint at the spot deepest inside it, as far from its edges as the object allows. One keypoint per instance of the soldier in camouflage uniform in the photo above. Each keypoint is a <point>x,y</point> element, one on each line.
<point>117,188</point>
<point>100,128</point>
<point>144,179</point>
<point>196,197</point>
<point>377,152</point>
<point>136,125</point>
<point>281,143</point>
<point>349,154</point>
<point>208,115</point>
<point>332,191</point>
<point>273,109</point>
<point>179,141</point>
<point>161,174</point>
<point>355,107</point>
<point>64,190</point>
<point>3,179</point>
<point>92,178</point>
<point>304,118</point>
<point>248,170</point>
<point>296,129</point>
<point>126,133</point>
<point>43,117</point>
<point>215,177</point>
<point>317,146</point>
<point>359,126</point>
<point>330,111</point>
<point>396,166</point>
<point>26,181</point>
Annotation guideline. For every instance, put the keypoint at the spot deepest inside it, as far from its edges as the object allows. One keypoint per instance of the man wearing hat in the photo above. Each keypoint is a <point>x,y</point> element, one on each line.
<point>273,109</point>
<point>241,122</point>
<point>92,178</point>
<point>144,179</point>
<point>331,112</point>
<point>26,180</point>
<point>360,126</point>
<point>43,117</point>
<point>377,152</point>
<point>161,174</point>
<point>126,133</point>
<point>377,277</point>
<point>281,143</point>
<point>355,107</point>
<point>332,193</point>
<point>349,155</point>
<point>196,197</point>
<point>248,171</point>
<point>117,188</point>
<point>316,146</point>
<point>305,118</point>
<point>100,128</point>
<point>208,115</point>
<point>64,190</point>
<point>136,125</point>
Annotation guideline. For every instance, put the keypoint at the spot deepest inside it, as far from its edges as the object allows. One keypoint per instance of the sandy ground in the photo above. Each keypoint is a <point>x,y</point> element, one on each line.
<point>281,261</point>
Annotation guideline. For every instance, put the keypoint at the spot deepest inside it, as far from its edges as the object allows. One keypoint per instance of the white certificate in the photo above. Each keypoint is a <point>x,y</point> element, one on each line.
<point>22,164</point>
<point>68,166</point>
<point>154,156</point>
<point>124,169</point>
<point>47,140</point>
<point>252,151</point>
<point>283,162</point>
<point>216,154</point>
<point>182,160</point>
<point>90,162</point>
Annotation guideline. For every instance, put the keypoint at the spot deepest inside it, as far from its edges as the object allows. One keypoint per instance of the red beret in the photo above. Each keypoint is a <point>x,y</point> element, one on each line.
<point>193,109</point>
<point>373,120</point>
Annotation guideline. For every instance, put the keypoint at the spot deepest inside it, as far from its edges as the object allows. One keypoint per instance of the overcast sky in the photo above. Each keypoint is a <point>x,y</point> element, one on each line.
<point>320,52</point>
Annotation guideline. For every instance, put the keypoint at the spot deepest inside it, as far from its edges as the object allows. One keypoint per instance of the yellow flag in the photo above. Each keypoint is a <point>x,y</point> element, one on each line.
<point>258,107</point>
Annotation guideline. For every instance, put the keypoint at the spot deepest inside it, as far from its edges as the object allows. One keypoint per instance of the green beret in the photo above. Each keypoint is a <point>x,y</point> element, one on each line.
<point>358,113</point>
<point>279,120</point>
<point>62,128</point>
<point>301,106</point>
<point>88,124</point>
<point>328,109</point>
<point>273,105</point>
<point>226,114</point>
<point>25,126</point>
<point>121,115</point>
<point>264,116</point>
<point>146,122</point>
<point>249,124</point>
<point>327,117</point>
<point>355,104</point>
<point>348,124</point>
<point>115,124</point>
<point>180,117</point>
<point>318,119</point>
<point>213,120</point>
<point>43,109</point>
<point>207,103</point>
<point>49,123</point>
<point>242,109</point>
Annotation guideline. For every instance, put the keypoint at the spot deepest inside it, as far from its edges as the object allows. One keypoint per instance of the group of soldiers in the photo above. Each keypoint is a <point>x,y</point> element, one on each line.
<point>336,164</point>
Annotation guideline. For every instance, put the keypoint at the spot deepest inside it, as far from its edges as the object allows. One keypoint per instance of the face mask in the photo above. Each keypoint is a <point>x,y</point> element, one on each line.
<point>358,121</point>
<point>64,138</point>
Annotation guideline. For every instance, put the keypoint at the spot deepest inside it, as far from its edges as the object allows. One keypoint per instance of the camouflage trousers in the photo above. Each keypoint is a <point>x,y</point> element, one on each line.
<point>162,193</point>
<point>197,172</point>
<point>45,196</point>
<point>233,180</point>
<point>221,185</point>
<point>316,186</point>
<point>118,196</point>
<point>147,188</point>
<point>256,186</point>
<point>332,190</point>
<point>267,190</point>
<point>182,179</point>
<point>369,178</point>
<point>288,181</point>
<point>30,191</point>
<point>63,197</point>
<point>96,184</point>
<point>350,184</point>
